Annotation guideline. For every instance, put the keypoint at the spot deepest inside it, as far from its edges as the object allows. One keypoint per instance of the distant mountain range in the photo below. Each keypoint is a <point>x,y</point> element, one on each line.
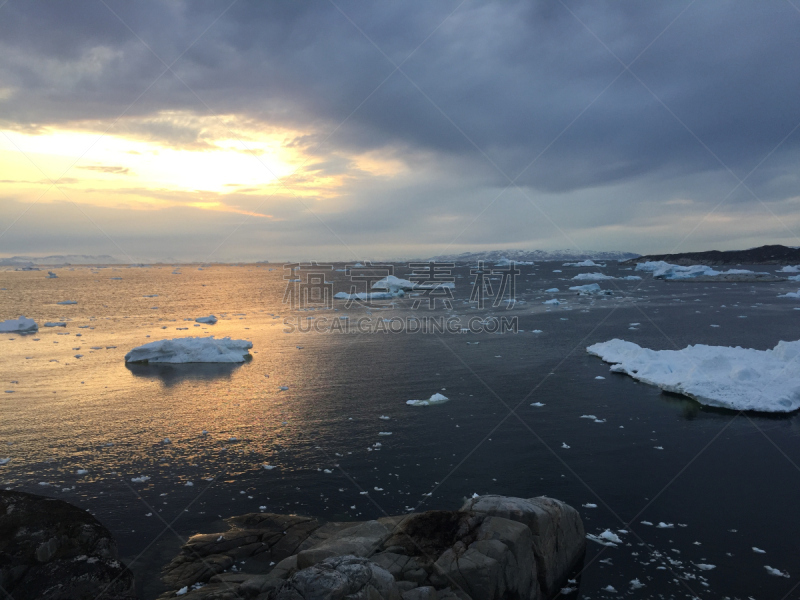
<point>533,255</point>
<point>59,259</point>
<point>763,255</point>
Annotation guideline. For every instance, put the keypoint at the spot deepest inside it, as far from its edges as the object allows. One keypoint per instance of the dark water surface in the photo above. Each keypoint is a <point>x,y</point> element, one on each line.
<point>727,482</point>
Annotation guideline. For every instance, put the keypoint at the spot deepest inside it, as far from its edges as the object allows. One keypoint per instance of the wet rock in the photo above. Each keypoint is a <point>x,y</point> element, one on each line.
<point>340,577</point>
<point>361,540</point>
<point>51,550</point>
<point>559,539</point>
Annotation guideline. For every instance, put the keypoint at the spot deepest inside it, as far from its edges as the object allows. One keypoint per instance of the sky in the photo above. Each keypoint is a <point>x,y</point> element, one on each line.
<point>339,130</point>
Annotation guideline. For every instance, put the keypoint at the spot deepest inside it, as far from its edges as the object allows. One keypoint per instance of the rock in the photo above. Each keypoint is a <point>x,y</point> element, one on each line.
<point>268,536</point>
<point>51,550</point>
<point>559,539</point>
<point>361,540</point>
<point>339,578</point>
<point>421,593</point>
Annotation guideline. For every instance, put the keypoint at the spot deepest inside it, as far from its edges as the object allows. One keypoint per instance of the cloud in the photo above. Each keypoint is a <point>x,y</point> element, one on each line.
<point>538,94</point>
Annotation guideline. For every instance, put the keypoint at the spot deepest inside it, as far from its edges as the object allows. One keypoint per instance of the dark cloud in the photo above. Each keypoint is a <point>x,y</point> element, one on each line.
<point>533,91</point>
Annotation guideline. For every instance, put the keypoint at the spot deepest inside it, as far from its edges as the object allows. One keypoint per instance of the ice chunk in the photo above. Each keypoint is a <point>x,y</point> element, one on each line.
<point>776,572</point>
<point>51,275</point>
<point>790,295</point>
<point>584,263</point>
<point>553,301</point>
<point>210,319</point>
<point>592,277</point>
<point>589,288</point>
<point>607,538</point>
<point>4,461</point>
<point>552,290</point>
<point>67,302</point>
<point>191,350</point>
<point>437,398</point>
<point>21,325</point>
<point>735,378</point>
<point>55,324</point>
<point>141,479</point>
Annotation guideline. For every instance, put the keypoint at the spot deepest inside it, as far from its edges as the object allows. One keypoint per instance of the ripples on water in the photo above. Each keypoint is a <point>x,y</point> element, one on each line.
<point>722,480</point>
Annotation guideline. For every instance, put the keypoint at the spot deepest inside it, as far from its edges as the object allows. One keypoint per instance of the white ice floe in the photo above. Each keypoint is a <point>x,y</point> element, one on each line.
<point>4,461</point>
<point>21,325</point>
<point>790,269</point>
<point>609,588</point>
<point>393,283</point>
<point>735,378</point>
<point>665,270</point>
<point>705,567</point>
<point>776,572</point>
<point>589,288</point>
<point>268,467</point>
<point>584,263</point>
<point>592,277</point>
<point>790,295</point>
<point>537,404</point>
<point>759,550</point>
<point>606,538</point>
<point>553,301</point>
<point>662,525</point>
<point>437,398</point>
<point>552,290</point>
<point>589,505</point>
<point>141,479</point>
<point>210,319</point>
<point>191,350</point>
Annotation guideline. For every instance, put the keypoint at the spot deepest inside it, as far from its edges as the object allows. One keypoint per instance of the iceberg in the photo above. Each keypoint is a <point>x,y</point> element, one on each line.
<point>589,288</point>
<point>210,319</point>
<point>592,277</point>
<point>21,325</point>
<point>665,270</point>
<point>790,269</point>
<point>191,350</point>
<point>393,283</point>
<point>435,399</point>
<point>734,378</point>
<point>790,295</point>
<point>584,263</point>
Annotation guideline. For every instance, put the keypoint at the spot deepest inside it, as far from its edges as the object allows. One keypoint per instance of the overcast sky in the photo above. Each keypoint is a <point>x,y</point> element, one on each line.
<point>339,130</point>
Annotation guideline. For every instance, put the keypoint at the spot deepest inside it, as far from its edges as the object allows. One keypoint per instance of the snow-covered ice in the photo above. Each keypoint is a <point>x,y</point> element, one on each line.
<point>589,288</point>
<point>437,398</point>
<point>191,350</point>
<point>665,270</point>
<point>592,277</point>
<point>735,378</point>
<point>21,325</point>
<point>606,538</point>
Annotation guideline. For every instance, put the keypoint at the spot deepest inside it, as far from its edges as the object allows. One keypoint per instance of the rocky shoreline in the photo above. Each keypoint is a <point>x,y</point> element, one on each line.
<point>492,548</point>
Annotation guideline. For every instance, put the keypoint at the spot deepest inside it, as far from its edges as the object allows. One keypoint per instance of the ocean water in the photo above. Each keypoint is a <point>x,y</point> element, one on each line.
<point>725,482</point>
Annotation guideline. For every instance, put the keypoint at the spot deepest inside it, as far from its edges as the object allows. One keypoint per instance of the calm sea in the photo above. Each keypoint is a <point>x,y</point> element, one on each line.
<point>720,482</point>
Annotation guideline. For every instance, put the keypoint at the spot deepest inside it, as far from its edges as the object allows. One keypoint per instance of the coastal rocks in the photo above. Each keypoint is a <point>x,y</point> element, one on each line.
<point>493,548</point>
<point>51,550</point>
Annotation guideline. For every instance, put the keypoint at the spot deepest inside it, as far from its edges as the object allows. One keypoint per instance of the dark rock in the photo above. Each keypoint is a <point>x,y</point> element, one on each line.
<point>51,550</point>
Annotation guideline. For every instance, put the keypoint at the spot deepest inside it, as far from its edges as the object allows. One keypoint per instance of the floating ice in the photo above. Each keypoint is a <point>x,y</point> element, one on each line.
<point>51,275</point>
<point>552,290</point>
<point>505,262</point>
<point>607,538</point>
<point>756,550</point>
<point>790,269</point>
<point>591,277</point>
<point>584,263</point>
<point>665,270</point>
<point>662,525</point>
<point>537,404</point>
<point>790,295</point>
<point>589,505</point>
<point>141,479</point>
<point>635,584</point>
<point>268,467</point>
<point>81,472</point>
<point>4,461</point>
<point>437,398</point>
<point>589,288</point>
<point>553,301</point>
<point>21,325</point>
<point>210,319</point>
<point>735,378</point>
<point>369,296</point>
<point>67,302</point>
<point>704,567</point>
<point>776,572</point>
<point>191,350</point>
<point>55,324</point>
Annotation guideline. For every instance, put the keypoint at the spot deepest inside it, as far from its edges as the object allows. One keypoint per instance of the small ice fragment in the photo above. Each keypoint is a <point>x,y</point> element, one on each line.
<point>705,567</point>
<point>4,461</point>
<point>210,319</point>
<point>435,399</point>
<point>538,404</point>
<point>384,433</point>
<point>188,484</point>
<point>662,525</point>
<point>268,467</point>
<point>646,523</point>
<point>599,377</point>
<point>81,472</point>
<point>141,479</point>
<point>756,550</point>
<point>384,417</point>
<point>636,584</point>
<point>564,445</point>
<point>588,417</point>
<point>776,572</point>
<point>609,588</point>
<point>589,505</point>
